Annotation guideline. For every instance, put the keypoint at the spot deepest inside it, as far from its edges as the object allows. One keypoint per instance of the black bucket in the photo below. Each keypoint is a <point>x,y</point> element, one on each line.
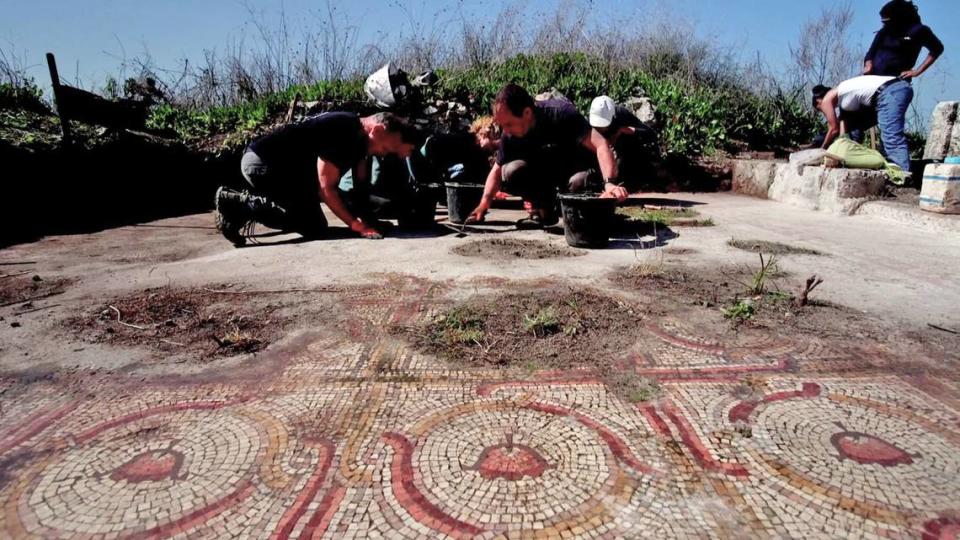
<point>587,220</point>
<point>422,211</point>
<point>462,199</point>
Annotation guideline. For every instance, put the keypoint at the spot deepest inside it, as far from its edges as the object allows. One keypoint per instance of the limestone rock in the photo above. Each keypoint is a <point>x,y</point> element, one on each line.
<point>644,109</point>
<point>553,93</point>
<point>753,177</point>
<point>837,191</point>
<point>944,137</point>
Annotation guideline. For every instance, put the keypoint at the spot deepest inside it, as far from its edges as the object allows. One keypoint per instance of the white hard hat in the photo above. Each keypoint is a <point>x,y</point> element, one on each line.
<point>378,86</point>
<point>602,111</point>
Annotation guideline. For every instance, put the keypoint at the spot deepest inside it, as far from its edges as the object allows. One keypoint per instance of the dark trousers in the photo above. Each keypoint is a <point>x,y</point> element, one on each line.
<point>539,181</point>
<point>299,202</point>
<point>635,157</point>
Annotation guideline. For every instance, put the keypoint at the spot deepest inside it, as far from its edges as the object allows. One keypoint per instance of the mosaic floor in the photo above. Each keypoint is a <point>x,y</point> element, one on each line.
<point>358,436</point>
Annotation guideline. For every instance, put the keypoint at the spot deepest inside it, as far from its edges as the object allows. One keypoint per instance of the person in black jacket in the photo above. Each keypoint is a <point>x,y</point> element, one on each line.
<point>896,47</point>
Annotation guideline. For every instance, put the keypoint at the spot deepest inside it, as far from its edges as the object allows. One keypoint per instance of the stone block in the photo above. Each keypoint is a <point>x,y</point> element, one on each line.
<point>912,216</point>
<point>944,136</point>
<point>553,93</point>
<point>833,190</point>
<point>954,146</point>
<point>752,177</point>
<point>644,109</point>
<point>941,189</point>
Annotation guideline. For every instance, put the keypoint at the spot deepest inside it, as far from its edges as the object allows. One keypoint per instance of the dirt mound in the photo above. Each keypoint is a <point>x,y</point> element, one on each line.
<point>679,251</point>
<point>556,328</point>
<point>671,286</point>
<point>512,248</point>
<point>200,323</point>
<point>770,248</point>
<point>25,287</point>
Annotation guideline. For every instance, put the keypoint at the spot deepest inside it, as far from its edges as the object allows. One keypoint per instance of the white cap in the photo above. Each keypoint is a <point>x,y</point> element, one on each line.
<point>601,112</point>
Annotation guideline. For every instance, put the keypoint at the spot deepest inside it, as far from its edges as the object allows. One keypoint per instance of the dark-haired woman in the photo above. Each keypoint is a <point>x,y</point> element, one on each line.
<point>896,47</point>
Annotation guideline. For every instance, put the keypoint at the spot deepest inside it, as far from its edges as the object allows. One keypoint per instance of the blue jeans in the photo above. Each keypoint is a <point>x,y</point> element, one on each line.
<point>892,105</point>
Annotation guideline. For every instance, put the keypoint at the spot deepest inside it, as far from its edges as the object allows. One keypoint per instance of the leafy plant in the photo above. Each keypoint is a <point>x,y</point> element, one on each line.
<point>460,327</point>
<point>27,96</point>
<point>768,269</point>
<point>741,311</point>
<point>544,323</point>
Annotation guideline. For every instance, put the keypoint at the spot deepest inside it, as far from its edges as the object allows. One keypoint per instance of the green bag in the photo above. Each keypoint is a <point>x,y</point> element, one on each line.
<point>858,156</point>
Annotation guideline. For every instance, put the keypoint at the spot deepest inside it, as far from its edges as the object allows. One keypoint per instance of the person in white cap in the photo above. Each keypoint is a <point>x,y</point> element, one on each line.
<point>630,139</point>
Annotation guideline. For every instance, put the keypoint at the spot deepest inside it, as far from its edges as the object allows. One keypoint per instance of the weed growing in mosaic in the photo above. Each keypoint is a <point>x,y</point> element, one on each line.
<point>777,296</point>
<point>741,311</point>
<point>460,327</point>
<point>543,323</point>
<point>237,340</point>
<point>768,270</point>
<point>644,390</point>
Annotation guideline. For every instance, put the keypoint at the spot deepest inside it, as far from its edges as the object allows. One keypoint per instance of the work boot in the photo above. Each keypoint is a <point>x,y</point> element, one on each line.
<point>238,211</point>
<point>232,215</point>
<point>537,221</point>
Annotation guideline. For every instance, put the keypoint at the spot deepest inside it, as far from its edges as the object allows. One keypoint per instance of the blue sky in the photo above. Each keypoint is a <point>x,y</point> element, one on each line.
<point>90,37</point>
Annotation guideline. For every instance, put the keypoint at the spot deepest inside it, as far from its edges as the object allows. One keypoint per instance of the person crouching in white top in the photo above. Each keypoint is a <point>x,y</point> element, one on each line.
<point>890,97</point>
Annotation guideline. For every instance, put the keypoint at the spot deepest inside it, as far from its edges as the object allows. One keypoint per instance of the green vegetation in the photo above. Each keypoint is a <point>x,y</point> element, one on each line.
<point>742,310</point>
<point>192,123</point>
<point>695,117</point>
<point>24,96</point>
<point>697,114</point>
<point>460,327</point>
<point>544,323</point>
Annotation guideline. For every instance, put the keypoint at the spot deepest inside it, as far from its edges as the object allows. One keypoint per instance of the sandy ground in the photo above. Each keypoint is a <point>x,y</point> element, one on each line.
<point>889,272</point>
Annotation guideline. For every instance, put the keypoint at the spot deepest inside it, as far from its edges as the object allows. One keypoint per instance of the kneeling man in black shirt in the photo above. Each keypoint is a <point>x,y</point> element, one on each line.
<point>295,168</point>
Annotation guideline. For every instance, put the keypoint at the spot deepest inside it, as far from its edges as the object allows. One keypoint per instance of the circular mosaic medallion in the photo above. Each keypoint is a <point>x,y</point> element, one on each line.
<point>501,466</point>
<point>863,450</point>
<point>150,471</point>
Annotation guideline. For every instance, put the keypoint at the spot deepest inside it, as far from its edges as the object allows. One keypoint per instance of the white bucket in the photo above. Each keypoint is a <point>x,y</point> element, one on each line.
<point>941,188</point>
<point>378,86</point>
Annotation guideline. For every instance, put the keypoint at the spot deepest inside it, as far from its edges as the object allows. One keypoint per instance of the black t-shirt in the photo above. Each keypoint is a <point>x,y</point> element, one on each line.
<point>445,150</point>
<point>560,129</point>
<point>894,51</point>
<point>334,137</point>
<point>622,118</point>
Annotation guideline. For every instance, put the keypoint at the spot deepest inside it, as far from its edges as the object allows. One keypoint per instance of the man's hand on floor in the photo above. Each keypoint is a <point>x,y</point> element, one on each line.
<point>365,231</point>
<point>615,192</point>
